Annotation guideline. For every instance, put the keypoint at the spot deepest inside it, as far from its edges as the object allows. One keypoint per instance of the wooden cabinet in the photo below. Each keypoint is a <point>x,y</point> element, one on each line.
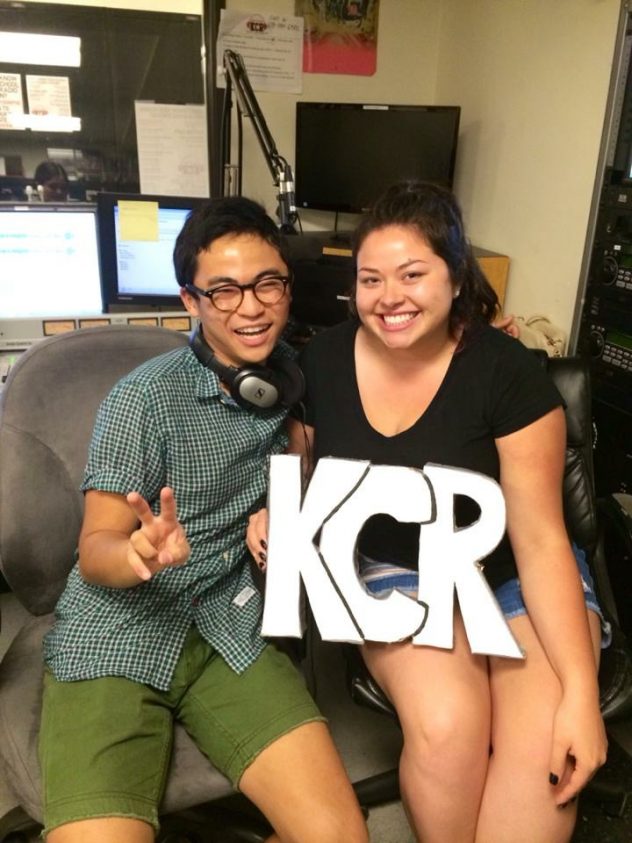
<point>496,269</point>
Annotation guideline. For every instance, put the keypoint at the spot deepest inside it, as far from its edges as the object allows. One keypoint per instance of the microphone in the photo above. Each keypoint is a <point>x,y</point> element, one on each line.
<point>287,188</point>
<point>287,205</point>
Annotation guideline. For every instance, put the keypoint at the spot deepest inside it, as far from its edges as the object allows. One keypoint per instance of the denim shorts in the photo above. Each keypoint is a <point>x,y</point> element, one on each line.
<point>381,578</point>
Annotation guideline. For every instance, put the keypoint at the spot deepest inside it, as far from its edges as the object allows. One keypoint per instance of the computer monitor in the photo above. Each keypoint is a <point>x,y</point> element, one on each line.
<point>137,234</point>
<point>49,260</point>
<point>348,153</point>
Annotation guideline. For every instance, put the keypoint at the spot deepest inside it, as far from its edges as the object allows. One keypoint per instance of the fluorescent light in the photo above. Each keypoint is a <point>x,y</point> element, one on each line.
<point>44,122</point>
<point>31,48</point>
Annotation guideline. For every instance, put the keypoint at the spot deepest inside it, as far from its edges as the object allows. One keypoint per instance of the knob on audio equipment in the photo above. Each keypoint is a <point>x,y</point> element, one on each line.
<point>610,270</point>
<point>596,343</point>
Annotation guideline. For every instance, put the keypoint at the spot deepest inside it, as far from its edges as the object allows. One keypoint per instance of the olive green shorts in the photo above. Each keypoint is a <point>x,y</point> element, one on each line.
<point>105,744</point>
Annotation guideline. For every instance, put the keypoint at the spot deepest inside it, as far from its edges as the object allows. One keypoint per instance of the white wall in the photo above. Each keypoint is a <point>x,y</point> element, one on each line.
<point>532,77</point>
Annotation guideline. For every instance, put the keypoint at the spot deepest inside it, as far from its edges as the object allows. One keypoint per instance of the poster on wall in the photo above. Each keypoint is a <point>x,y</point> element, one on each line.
<point>340,36</point>
<point>49,95</point>
<point>270,45</point>
<point>172,149</point>
<point>10,98</point>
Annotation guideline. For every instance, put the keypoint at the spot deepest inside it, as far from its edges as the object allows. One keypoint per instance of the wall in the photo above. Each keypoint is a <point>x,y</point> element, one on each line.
<point>400,57</point>
<point>532,77</point>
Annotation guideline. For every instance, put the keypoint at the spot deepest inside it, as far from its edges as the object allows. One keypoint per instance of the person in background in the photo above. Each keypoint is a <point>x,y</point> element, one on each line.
<point>420,376</point>
<point>51,182</point>
<point>160,618</point>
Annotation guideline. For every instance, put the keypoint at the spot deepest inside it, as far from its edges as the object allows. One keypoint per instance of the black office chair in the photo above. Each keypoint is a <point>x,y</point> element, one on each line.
<point>585,518</point>
<point>47,411</point>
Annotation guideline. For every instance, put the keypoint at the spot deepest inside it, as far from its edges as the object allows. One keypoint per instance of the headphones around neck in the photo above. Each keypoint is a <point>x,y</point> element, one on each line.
<point>280,383</point>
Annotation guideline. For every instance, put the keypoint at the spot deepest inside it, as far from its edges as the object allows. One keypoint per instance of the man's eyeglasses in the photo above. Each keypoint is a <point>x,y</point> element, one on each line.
<point>267,290</point>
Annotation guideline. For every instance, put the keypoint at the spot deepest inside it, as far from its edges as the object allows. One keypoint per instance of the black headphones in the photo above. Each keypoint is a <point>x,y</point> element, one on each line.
<point>278,384</point>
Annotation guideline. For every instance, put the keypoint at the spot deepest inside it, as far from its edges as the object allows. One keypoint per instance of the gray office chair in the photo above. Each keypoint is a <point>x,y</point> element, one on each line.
<point>47,411</point>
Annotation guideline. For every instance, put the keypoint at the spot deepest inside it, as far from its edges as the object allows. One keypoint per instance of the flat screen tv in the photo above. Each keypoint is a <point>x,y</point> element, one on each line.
<point>49,260</point>
<point>137,234</point>
<point>348,153</point>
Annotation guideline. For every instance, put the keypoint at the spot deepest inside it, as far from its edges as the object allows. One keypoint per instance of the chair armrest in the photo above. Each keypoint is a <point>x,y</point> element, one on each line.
<point>362,687</point>
<point>615,678</point>
<point>612,570</point>
<point>612,564</point>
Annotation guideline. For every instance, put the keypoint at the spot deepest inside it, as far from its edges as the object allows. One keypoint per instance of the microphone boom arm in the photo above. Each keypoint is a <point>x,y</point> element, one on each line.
<point>281,171</point>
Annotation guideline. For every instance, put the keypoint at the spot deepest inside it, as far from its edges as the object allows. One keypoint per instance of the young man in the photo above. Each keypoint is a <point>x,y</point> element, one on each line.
<point>160,617</point>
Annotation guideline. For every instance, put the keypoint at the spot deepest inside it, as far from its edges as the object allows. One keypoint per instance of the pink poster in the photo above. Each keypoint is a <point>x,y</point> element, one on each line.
<point>340,36</point>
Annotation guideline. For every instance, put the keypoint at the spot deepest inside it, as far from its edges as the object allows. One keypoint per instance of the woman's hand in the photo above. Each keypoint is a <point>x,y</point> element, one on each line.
<point>579,745</point>
<point>507,324</point>
<point>160,541</point>
<point>257,537</point>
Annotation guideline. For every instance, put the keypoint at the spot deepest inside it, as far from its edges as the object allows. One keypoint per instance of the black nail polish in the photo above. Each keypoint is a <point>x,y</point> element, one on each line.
<point>553,779</point>
<point>263,557</point>
<point>264,544</point>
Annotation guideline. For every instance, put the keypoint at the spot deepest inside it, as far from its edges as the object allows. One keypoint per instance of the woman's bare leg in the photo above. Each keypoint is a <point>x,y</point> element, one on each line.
<point>518,803</point>
<point>442,698</point>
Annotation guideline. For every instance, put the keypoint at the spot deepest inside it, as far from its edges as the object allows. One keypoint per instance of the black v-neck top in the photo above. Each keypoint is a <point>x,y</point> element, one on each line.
<point>493,387</point>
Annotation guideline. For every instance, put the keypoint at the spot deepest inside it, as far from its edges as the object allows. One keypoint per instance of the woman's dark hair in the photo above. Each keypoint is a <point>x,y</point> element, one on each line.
<point>435,214</point>
<point>48,170</point>
<point>216,218</point>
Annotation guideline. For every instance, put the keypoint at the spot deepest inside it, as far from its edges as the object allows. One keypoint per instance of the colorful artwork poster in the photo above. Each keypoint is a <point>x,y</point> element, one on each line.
<point>340,36</point>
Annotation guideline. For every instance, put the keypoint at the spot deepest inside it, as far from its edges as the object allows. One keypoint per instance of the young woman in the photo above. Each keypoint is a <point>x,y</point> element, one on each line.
<point>495,750</point>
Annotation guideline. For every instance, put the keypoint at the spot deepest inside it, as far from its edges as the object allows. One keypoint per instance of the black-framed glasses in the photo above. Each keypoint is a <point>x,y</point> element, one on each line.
<point>267,290</point>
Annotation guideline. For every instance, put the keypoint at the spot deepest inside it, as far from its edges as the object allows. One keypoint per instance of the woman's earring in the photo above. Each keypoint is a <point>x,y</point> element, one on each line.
<point>457,293</point>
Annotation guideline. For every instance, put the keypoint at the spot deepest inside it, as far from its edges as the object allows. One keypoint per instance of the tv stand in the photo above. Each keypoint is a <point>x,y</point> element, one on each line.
<point>342,238</point>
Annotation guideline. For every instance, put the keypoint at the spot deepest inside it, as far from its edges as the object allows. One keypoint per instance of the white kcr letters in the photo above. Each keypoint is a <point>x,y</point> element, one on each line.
<point>341,496</point>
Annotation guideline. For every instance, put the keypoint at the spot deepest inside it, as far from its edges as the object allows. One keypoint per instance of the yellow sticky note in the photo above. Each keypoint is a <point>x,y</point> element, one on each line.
<point>138,220</point>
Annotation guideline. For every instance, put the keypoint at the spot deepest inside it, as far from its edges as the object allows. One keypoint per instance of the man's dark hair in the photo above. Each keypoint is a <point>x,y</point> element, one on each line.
<point>433,212</point>
<point>217,218</point>
<point>48,170</point>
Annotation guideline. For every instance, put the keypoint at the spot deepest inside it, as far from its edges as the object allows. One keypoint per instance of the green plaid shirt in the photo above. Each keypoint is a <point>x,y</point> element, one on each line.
<point>168,423</point>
